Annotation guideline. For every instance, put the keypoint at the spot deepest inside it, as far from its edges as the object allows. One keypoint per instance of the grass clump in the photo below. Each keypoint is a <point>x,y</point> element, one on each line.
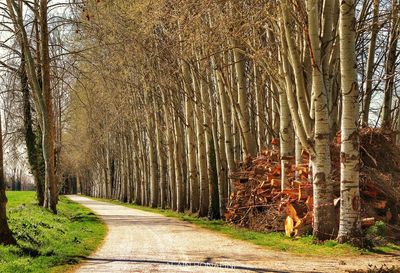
<point>378,229</point>
<point>48,242</point>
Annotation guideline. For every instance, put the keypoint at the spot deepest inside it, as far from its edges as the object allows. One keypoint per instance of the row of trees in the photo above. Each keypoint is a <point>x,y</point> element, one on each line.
<point>172,95</point>
<point>169,96</point>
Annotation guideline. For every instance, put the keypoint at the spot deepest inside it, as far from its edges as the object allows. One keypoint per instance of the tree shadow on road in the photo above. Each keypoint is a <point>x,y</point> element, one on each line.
<point>234,268</point>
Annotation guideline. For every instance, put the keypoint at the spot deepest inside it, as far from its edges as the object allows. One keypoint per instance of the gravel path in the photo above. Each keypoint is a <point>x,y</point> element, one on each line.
<point>140,241</point>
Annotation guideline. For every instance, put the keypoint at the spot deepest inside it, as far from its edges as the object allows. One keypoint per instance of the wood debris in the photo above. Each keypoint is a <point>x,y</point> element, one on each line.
<point>259,203</point>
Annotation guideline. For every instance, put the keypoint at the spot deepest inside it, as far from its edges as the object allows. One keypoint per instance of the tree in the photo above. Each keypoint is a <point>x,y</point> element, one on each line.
<point>349,226</point>
<point>34,150</point>
<point>370,66</point>
<point>6,237</point>
<point>390,66</point>
<point>40,85</point>
<point>324,221</point>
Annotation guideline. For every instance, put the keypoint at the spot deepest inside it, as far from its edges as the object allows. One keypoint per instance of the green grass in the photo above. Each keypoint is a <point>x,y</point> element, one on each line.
<point>48,242</point>
<point>273,240</point>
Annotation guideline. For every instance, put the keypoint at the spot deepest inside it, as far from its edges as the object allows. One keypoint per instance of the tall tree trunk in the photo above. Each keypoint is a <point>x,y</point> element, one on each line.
<point>212,150</point>
<point>220,156</point>
<point>291,98</point>
<point>227,125</point>
<point>249,140</point>
<point>160,155</point>
<point>213,211</point>
<point>370,66</point>
<point>130,166</point>
<point>390,66</point>
<point>324,217</point>
<point>6,237</point>
<point>124,169</point>
<point>286,135</point>
<point>205,150</point>
<point>270,118</point>
<point>109,177</point>
<point>328,49</point>
<point>170,147</point>
<point>191,138</point>
<point>48,115</point>
<point>143,169</point>
<point>298,157</point>
<point>349,227</point>
<point>259,85</point>
<point>30,137</point>
<point>180,201</point>
<point>138,189</point>
<point>301,88</point>
<point>154,187</point>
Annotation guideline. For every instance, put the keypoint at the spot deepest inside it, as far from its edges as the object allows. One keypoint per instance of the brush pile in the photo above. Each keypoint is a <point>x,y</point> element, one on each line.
<point>259,203</point>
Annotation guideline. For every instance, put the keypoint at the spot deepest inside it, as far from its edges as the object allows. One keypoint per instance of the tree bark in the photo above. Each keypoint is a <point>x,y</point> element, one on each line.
<point>191,140</point>
<point>178,165</point>
<point>154,187</point>
<point>138,189</point>
<point>170,148</point>
<point>349,226</point>
<point>390,66</point>
<point>6,237</point>
<point>35,157</point>
<point>324,217</point>
<point>370,67</point>
<point>221,162</point>
<point>301,88</point>
<point>160,155</point>
<point>227,124</point>
<point>48,115</point>
<point>249,140</point>
<point>205,150</point>
<point>286,136</point>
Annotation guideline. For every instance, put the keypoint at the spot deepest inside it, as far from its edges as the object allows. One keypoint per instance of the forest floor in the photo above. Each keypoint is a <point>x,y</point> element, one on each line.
<point>48,243</point>
<point>143,241</point>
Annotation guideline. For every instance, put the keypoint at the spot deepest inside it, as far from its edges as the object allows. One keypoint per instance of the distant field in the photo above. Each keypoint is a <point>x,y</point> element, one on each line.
<point>47,242</point>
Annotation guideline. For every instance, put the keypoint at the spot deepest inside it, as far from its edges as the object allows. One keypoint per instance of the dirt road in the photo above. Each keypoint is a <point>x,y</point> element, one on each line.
<point>139,241</point>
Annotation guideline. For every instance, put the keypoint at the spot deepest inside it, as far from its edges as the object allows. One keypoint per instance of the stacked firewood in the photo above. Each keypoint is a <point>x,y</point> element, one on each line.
<point>259,203</point>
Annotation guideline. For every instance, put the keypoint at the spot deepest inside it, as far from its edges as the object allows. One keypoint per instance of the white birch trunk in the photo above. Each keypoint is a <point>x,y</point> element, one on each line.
<point>249,140</point>
<point>191,139</point>
<point>324,218</point>
<point>349,227</point>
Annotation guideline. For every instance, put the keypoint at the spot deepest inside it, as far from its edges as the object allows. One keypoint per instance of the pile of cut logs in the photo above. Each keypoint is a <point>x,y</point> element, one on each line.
<point>259,203</point>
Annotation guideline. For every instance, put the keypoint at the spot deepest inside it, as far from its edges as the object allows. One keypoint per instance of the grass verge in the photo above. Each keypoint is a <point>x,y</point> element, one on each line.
<point>47,242</point>
<point>273,240</point>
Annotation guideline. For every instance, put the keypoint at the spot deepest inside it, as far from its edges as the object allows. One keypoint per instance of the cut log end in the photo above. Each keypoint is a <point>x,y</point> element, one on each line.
<point>289,227</point>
